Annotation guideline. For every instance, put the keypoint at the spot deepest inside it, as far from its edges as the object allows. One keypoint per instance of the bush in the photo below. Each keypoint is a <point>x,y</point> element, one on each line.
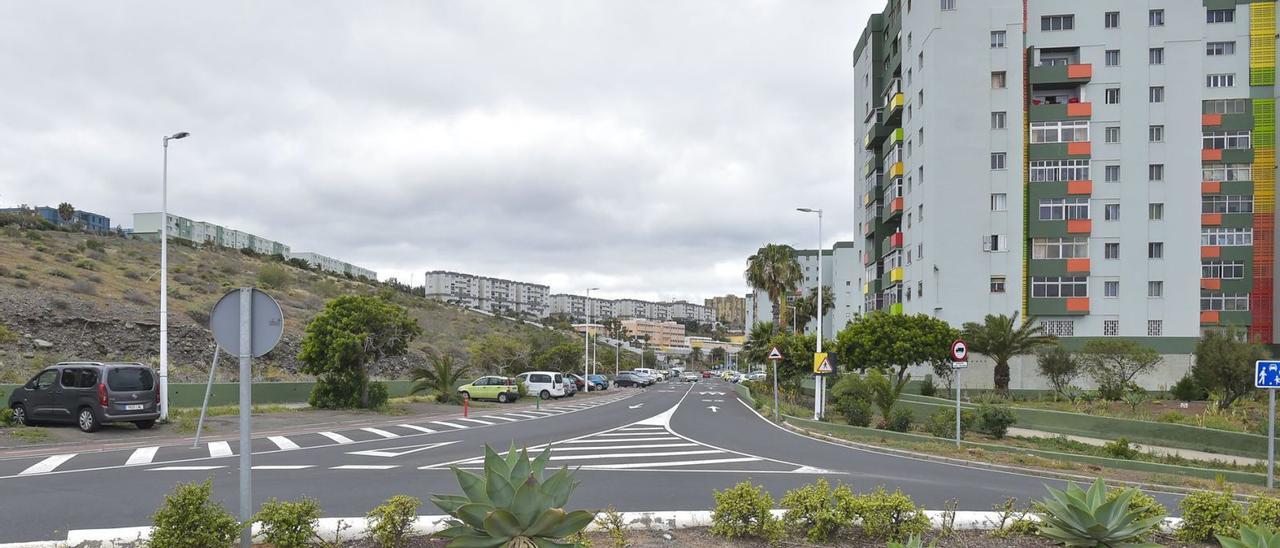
<point>339,396</point>
<point>852,399</point>
<point>744,511</point>
<point>812,509</point>
<point>942,423</point>
<point>1120,448</point>
<point>1264,511</point>
<point>289,524</point>
<point>136,297</point>
<point>56,273</point>
<point>83,287</point>
<point>927,388</point>
<point>886,516</point>
<point>6,417</point>
<point>272,276</point>
<point>1145,505</point>
<point>390,523</point>
<point>95,244</point>
<point>1209,513</point>
<point>7,335</point>
<point>188,519</point>
<point>199,315</point>
<point>86,264</point>
<point>994,421</point>
<point>132,275</point>
<point>1186,389</point>
<point>899,420</point>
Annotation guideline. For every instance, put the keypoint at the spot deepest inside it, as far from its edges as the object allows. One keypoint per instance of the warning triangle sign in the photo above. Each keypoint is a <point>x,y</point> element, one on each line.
<point>774,354</point>
<point>821,363</point>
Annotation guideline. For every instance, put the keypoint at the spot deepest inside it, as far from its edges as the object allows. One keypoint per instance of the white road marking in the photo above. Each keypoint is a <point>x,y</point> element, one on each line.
<point>400,451</point>
<point>418,428</point>
<point>47,465</point>
<point>555,448</point>
<point>522,416</point>
<point>220,449</point>
<point>477,421</point>
<point>336,437</point>
<point>616,440</point>
<point>451,425</point>
<point>364,467</point>
<point>382,433</point>
<point>501,418</point>
<point>283,443</point>
<point>185,468</point>
<point>284,467</point>
<point>634,455</point>
<point>627,433</point>
<point>625,466</point>
<point>142,456</point>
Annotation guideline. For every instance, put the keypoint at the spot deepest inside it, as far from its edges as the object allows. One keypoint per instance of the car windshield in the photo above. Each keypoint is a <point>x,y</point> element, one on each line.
<point>130,379</point>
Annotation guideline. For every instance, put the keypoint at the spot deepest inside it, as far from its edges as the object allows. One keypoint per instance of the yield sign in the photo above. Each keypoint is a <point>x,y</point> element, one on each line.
<point>774,354</point>
<point>392,452</point>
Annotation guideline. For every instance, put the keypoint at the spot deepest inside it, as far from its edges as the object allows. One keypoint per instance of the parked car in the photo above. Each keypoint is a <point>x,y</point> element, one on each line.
<point>545,384</point>
<point>757,376</point>
<point>599,382</point>
<point>503,389</point>
<point>649,378</point>
<point>706,374</point>
<point>629,378</point>
<point>89,394</point>
<point>689,377</point>
<point>580,384</point>
<point>570,387</point>
<point>652,373</point>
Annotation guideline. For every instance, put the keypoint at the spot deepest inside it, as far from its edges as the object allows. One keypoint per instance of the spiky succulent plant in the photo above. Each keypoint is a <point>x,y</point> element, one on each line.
<point>1076,517</point>
<point>1259,536</point>
<point>512,505</point>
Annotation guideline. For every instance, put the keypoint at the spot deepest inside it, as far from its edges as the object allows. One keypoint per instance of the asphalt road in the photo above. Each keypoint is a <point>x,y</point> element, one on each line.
<point>662,448</point>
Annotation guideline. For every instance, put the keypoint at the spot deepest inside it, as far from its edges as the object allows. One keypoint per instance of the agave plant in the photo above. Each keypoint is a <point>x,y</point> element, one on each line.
<point>914,541</point>
<point>1259,536</point>
<point>1076,517</point>
<point>512,505</point>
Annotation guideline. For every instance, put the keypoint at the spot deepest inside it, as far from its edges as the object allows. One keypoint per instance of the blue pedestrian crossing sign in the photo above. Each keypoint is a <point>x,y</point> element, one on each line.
<point>1266,374</point>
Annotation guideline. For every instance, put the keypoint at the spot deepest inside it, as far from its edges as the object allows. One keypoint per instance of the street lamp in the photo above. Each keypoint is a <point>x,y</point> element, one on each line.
<point>586,344</point>
<point>164,277</point>
<point>819,382</point>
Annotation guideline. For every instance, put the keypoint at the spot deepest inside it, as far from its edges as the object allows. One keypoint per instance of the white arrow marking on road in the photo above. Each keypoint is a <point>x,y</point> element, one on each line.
<point>635,406</point>
<point>395,451</point>
<point>710,393</point>
<point>713,408</point>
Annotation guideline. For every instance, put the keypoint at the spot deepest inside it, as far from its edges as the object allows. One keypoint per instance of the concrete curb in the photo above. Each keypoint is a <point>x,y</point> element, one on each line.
<point>357,527</point>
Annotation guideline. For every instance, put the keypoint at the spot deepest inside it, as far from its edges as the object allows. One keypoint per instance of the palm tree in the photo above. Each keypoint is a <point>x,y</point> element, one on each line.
<point>1000,339</point>
<point>66,212</point>
<point>774,270</point>
<point>695,357</point>
<point>807,306</point>
<point>756,348</point>
<point>441,377</point>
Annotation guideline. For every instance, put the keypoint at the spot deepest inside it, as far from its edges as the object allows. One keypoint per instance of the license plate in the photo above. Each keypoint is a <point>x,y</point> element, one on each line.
<point>137,407</point>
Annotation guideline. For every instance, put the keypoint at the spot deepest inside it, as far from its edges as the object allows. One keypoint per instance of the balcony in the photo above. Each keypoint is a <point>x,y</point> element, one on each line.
<point>1060,75</point>
<point>895,309</point>
<point>1079,188</point>
<point>1210,251</point>
<point>893,211</point>
<point>876,133</point>
<point>1071,306</point>
<point>1211,284</point>
<point>1209,317</point>
<point>896,169</point>
<point>893,109</point>
<point>1211,155</point>
<point>894,241</point>
<point>1059,267</point>
<point>896,275</point>
<point>1210,219</point>
<point>1059,151</point>
<point>895,136</point>
<point>1079,226</point>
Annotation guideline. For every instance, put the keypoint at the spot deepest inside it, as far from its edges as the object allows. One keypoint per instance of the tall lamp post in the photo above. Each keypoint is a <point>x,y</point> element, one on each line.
<point>819,382</point>
<point>586,344</point>
<point>164,277</point>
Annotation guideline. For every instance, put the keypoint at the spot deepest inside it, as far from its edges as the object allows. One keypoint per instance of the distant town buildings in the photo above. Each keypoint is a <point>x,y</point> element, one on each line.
<point>730,310</point>
<point>330,264</point>
<point>84,220</point>
<point>488,294</point>
<point>574,306</point>
<point>664,335</point>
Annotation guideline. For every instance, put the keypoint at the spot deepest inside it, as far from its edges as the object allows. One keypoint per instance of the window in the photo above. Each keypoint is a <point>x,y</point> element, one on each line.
<point>1220,16</point>
<point>999,202</point>
<point>1112,57</point>
<point>997,284</point>
<point>1111,250</point>
<point>1054,287</point>
<point>1155,18</point>
<point>1155,250</point>
<point>1225,106</point>
<point>1220,48</point>
<point>1226,236</point>
<point>1155,328</point>
<point>948,5</point>
<point>1224,80</point>
<point>1048,171</point>
<point>1060,248</point>
<point>1111,173</point>
<point>1155,288</point>
<point>1111,288</point>
<point>1111,19</point>
<point>1224,301</point>
<point>1155,134</point>
<point>1155,211</point>
<point>1058,328</point>
<point>1155,94</point>
<point>1111,96</point>
<point>1057,22</point>
<point>1155,172</point>
<point>997,79</point>
<point>920,61</point>
<point>1223,270</point>
<point>920,98</point>
<point>1155,56</point>
<point>997,160</point>
<point>1111,212</point>
<point>1231,140</point>
<point>1112,133</point>
<point>1227,172</point>
<point>1110,328</point>
<point>1058,209</point>
<point>1234,203</point>
<point>997,39</point>
<point>998,120</point>
<point>1060,132</point>
<point>995,243</point>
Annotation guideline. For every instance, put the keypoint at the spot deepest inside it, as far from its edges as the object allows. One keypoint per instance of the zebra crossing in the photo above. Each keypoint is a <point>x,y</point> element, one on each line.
<point>166,458</point>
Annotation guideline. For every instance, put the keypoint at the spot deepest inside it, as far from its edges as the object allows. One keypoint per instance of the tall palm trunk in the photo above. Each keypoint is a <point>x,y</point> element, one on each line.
<point>1001,374</point>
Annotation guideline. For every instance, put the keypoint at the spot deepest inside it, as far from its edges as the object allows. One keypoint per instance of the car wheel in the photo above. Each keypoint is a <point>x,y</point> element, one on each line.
<point>502,397</point>
<point>87,421</point>
<point>20,416</point>
<point>545,394</point>
<point>145,425</point>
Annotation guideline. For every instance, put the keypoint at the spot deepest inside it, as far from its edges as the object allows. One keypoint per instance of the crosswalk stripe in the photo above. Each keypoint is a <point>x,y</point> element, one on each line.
<point>501,418</point>
<point>635,455</point>
<point>283,442</point>
<point>364,467</point>
<point>523,416</point>
<point>617,434</point>
<point>627,465</point>
<point>382,433</point>
<point>336,437</point>
<point>541,413</point>
<point>616,440</point>
<point>613,447</point>
<point>184,468</point>
<point>418,428</point>
<point>451,425</point>
<point>477,421</point>
<point>142,456</point>
<point>283,467</point>
<point>219,449</point>
<point>47,465</point>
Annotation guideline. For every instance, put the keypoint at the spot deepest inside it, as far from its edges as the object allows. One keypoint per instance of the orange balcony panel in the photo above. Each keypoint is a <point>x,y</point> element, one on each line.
<point>1081,148</point>
<point>1079,109</point>
<point>1211,187</point>
<point>1077,265</point>
<point>1208,317</point>
<point>1083,70</point>
<point>1210,252</point>
<point>1079,187</point>
<point>1210,283</point>
<point>1211,155</point>
<point>1210,119</point>
<point>895,205</point>
<point>1078,304</point>
<point>895,239</point>
<point>1079,226</point>
<point>1210,219</point>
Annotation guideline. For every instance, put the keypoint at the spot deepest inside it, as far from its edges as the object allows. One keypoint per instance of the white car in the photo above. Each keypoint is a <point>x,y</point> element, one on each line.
<point>545,384</point>
<point>689,377</point>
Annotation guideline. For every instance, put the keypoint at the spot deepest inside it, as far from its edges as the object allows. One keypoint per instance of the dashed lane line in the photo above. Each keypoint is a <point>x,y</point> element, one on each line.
<point>501,418</point>
<point>364,467</point>
<point>283,466</point>
<point>451,425</point>
<point>184,468</point>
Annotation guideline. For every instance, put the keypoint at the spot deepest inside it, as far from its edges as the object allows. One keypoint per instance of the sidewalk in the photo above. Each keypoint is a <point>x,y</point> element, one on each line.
<point>1158,450</point>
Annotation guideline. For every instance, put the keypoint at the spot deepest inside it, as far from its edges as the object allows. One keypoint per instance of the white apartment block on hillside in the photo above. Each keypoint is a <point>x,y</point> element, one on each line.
<point>488,294</point>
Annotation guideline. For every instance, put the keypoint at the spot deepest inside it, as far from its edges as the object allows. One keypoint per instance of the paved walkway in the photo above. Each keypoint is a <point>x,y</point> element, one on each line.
<point>1158,450</point>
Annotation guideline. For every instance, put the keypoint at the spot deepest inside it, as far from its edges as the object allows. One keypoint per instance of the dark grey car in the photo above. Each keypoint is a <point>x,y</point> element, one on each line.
<point>89,394</point>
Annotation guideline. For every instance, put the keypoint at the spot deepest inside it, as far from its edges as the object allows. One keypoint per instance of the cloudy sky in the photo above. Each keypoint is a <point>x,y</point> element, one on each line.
<point>646,147</point>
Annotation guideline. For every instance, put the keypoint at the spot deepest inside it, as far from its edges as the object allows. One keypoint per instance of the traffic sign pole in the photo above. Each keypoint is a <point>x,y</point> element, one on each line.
<point>774,356</point>
<point>246,402</point>
<point>957,381</point>
<point>1271,437</point>
<point>959,360</point>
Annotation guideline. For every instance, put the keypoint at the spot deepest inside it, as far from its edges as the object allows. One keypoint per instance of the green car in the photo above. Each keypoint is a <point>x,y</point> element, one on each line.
<point>503,389</point>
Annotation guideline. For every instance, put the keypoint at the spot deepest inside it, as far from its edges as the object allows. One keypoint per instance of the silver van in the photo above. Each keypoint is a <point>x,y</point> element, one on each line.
<point>89,394</point>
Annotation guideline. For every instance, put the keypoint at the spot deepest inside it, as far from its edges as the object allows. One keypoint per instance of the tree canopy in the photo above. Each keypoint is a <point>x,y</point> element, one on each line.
<point>1000,338</point>
<point>501,354</point>
<point>344,339</point>
<point>774,270</point>
<point>895,341</point>
<point>1224,366</point>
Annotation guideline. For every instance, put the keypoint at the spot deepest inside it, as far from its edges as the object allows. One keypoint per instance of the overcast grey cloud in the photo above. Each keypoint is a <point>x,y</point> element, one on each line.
<point>645,147</point>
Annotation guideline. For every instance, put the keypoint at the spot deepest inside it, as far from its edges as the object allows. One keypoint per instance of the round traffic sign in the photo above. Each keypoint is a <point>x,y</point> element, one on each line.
<point>959,351</point>
<point>266,322</point>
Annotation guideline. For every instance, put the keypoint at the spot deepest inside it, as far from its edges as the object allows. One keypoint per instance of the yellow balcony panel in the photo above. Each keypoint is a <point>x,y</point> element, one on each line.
<point>896,169</point>
<point>895,275</point>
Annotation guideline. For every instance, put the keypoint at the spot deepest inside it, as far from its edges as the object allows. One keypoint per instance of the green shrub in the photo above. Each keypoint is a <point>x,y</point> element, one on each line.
<point>1264,511</point>
<point>744,511</point>
<point>811,509</point>
<point>392,521</point>
<point>273,276</point>
<point>189,519</point>
<point>1186,389</point>
<point>7,335</point>
<point>1209,513</point>
<point>914,541</point>
<point>885,516</point>
<point>852,400</point>
<point>1120,448</point>
<point>58,273</point>
<point>6,417</point>
<point>95,244</point>
<point>1257,536</point>
<point>942,423</point>
<point>1146,505</point>
<point>899,420</point>
<point>994,420</point>
<point>927,388</point>
<point>1076,517</point>
<point>289,524</point>
<point>613,523</point>
<point>86,264</point>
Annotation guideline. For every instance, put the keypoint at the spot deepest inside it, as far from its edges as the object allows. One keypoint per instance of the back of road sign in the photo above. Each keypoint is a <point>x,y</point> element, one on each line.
<point>267,323</point>
<point>1266,374</point>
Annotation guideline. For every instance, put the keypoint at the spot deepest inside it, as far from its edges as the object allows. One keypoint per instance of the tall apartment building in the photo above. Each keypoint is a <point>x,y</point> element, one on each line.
<point>147,225</point>
<point>575,307</point>
<point>840,269</point>
<point>489,294</point>
<point>1091,163</point>
<point>730,310</point>
<point>664,335</point>
<point>330,264</point>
